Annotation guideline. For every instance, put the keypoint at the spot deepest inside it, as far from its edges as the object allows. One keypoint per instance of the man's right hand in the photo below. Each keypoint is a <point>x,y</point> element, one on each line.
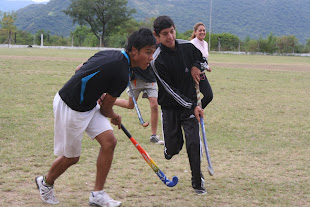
<point>117,121</point>
<point>195,72</point>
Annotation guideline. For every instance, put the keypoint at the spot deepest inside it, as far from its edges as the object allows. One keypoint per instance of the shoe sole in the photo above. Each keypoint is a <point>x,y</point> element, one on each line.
<point>159,142</point>
<point>199,194</point>
<point>95,204</point>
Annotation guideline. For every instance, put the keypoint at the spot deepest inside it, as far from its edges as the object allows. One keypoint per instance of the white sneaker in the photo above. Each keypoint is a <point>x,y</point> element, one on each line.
<point>155,139</point>
<point>46,192</point>
<point>102,199</point>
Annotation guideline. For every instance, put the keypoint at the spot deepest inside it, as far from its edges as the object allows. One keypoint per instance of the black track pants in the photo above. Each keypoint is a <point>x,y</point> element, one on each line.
<point>206,90</point>
<point>173,120</point>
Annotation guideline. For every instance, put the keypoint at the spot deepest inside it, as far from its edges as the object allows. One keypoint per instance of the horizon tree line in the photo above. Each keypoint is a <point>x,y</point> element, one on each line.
<point>108,23</point>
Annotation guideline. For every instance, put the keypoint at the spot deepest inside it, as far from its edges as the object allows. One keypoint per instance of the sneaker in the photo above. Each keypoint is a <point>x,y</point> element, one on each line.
<point>200,191</point>
<point>46,192</point>
<point>154,139</point>
<point>144,95</point>
<point>102,199</point>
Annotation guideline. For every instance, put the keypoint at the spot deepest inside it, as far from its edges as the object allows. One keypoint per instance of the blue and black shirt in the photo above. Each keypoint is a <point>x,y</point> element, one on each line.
<point>105,72</point>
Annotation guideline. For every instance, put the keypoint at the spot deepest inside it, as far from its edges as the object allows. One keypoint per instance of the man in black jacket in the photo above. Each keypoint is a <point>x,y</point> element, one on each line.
<point>174,63</point>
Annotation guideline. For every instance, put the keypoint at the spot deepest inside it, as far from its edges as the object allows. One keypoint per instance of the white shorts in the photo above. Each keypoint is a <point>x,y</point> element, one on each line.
<point>140,85</point>
<point>69,126</point>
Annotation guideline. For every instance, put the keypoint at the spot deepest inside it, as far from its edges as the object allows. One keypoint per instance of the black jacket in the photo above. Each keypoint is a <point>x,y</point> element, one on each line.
<point>176,87</point>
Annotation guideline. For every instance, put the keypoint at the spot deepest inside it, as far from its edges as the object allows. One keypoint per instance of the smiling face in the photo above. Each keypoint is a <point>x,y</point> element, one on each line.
<point>142,58</point>
<point>167,37</point>
<point>200,32</point>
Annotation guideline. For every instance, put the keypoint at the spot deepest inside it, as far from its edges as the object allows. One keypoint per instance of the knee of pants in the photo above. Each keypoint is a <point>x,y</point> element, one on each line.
<point>209,99</point>
<point>175,149</point>
<point>206,100</point>
<point>193,147</point>
<point>173,152</point>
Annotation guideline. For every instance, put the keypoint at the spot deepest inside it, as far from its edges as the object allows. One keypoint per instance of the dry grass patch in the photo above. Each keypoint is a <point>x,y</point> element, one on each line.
<point>257,130</point>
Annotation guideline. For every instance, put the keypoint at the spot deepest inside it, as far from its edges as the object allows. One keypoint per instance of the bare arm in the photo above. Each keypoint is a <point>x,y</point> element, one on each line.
<point>78,67</point>
<point>106,109</point>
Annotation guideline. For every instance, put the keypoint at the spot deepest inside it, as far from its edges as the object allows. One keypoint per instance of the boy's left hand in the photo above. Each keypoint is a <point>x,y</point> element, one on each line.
<point>198,113</point>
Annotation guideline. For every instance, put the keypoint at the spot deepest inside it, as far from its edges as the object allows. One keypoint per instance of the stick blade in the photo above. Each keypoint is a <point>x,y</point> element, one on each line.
<point>174,181</point>
<point>211,171</point>
<point>145,124</point>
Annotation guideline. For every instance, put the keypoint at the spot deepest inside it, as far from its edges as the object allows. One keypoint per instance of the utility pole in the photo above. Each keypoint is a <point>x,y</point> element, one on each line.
<point>41,39</point>
<point>210,25</point>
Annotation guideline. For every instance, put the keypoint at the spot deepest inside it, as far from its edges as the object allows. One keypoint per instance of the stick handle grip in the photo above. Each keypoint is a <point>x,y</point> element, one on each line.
<point>125,131</point>
<point>136,105</point>
<point>198,95</point>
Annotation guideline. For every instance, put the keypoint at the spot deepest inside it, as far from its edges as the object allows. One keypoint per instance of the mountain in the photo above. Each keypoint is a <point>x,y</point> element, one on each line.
<point>242,18</point>
<point>14,5</point>
<point>46,16</point>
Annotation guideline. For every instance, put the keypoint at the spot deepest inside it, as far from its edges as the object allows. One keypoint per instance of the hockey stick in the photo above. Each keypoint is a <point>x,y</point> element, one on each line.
<point>144,124</point>
<point>210,168</point>
<point>149,161</point>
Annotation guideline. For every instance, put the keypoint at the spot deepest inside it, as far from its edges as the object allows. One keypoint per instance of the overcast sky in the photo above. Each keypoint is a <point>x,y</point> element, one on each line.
<point>32,0</point>
<point>40,0</point>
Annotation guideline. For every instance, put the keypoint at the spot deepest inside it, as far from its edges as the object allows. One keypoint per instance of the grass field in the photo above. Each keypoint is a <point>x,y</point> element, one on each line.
<point>257,127</point>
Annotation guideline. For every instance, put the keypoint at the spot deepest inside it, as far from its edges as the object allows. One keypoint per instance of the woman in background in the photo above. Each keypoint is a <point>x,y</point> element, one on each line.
<point>197,38</point>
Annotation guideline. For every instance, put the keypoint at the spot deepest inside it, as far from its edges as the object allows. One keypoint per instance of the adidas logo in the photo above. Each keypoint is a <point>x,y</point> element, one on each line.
<point>186,70</point>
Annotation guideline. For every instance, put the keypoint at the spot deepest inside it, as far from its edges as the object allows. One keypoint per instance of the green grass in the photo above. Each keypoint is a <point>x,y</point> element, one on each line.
<point>260,59</point>
<point>257,128</point>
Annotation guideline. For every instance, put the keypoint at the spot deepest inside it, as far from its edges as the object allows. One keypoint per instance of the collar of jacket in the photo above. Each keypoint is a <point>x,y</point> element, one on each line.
<point>167,49</point>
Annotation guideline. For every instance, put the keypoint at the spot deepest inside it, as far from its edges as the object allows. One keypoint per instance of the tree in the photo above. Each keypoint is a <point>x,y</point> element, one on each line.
<point>287,44</point>
<point>80,34</point>
<point>268,45</point>
<point>103,16</point>
<point>185,35</point>
<point>308,42</point>
<point>227,42</point>
<point>307,46</point>
<point>7,24</point>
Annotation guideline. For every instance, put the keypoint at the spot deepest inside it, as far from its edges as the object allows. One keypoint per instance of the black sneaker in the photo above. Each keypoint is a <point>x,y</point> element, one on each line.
<point>200,191</point>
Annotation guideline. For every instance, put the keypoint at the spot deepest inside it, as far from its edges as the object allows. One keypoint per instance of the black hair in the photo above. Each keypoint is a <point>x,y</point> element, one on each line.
<point>139,39</point>
<point>162,22</point>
